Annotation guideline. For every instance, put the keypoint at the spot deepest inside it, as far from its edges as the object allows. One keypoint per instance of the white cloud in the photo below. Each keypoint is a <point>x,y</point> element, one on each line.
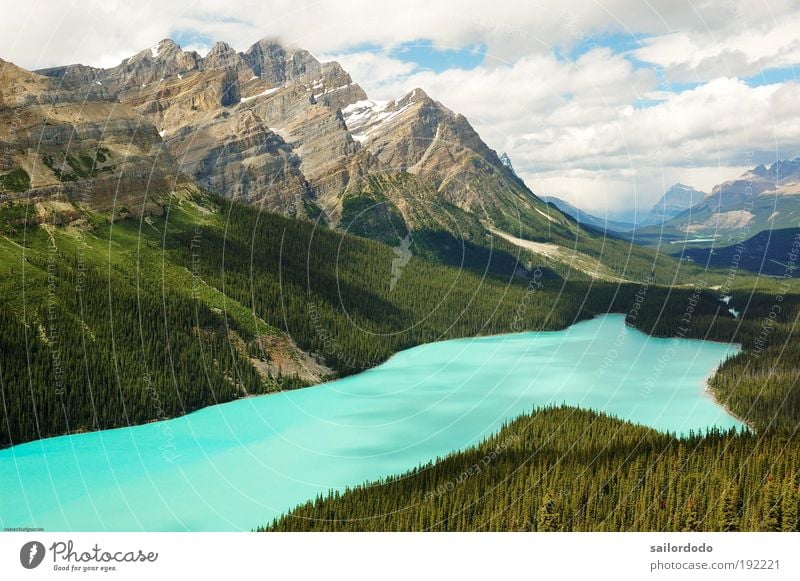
<point>576,130</point>
<point>573,130</point>
<point>38,33</point>
<point>734,51</point>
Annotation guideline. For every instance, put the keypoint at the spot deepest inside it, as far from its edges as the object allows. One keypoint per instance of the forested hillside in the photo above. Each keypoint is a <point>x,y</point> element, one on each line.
<point>566,469</point>
<point>111,324</point>
<point>106,324</point>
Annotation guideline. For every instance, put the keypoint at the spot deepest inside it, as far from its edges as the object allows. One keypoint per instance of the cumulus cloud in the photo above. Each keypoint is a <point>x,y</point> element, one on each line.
<point>39,33</point>
<point>743,50</point>
<point>612,128</point>
<point>579,130</point>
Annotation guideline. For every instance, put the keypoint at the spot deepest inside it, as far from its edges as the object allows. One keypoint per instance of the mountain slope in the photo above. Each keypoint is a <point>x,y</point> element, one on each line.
<point>770,252</point>
<point>260,125</point>
<point>588,219</point>
<point>674,201</point>
<point>147,318</point>
<point>70,143</point>
<point>276,128</point>
<point>764,198</point>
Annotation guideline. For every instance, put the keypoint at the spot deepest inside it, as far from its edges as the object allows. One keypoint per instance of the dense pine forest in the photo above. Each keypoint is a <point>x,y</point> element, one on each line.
<point>113,323</point>
<point>107,324</point>
<point>564,469</point>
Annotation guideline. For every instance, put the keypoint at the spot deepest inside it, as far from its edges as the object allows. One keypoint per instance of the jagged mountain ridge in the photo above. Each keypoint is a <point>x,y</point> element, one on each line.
<point>763,198</point>
<point>275,127</point>
<point>257,125</point>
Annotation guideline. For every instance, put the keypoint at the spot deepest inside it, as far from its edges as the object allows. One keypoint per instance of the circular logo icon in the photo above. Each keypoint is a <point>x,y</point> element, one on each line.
<point>31,554</point>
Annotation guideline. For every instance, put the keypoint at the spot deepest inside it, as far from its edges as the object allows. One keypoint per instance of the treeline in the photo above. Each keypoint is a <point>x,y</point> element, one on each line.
<point>563,469</point>
<point>349,300</point>
<point>142,321</point>
<point>89,352</point>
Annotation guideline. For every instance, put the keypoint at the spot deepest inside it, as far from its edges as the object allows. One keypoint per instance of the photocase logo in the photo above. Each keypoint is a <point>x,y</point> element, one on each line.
<point>31,554</point>
<point>402,255</point>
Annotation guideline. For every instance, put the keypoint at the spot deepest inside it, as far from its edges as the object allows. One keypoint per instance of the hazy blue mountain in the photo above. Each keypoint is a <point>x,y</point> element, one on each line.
<point>588,219</point>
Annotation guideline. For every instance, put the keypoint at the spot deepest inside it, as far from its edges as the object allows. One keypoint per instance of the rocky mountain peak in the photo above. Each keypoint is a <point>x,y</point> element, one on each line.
<point>676,199</point>
<point>270,61</point>
<point>506,161</point>
<point>275,126</point>
<point>163,50</point>
<point>221,47</point>
<point>414,96</point>
<point>165,47</point>
<point>223,56</point>
<point>780,172</point>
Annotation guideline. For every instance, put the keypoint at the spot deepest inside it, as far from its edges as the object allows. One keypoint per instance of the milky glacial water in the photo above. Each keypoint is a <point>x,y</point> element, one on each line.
<point>238,465</point>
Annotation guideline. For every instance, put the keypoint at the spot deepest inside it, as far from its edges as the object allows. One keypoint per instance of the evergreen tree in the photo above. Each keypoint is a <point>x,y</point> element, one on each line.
<point>730,507</point>
<point>547,518</point>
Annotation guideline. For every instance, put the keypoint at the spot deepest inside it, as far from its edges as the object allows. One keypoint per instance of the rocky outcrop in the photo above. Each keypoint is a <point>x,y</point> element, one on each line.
<point>278,128</point>
<point>263,125</point>
<point>77,143</point>
<point>235,153</point>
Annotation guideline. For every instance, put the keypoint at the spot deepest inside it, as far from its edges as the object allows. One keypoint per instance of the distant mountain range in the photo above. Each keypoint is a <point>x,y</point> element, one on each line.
<point>674,201</point>
<point>677,199</point>
<point>588,219</point>
<point>764,198</point>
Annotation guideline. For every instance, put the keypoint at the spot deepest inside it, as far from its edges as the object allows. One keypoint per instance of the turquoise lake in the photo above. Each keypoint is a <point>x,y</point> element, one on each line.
<point>236,466</point>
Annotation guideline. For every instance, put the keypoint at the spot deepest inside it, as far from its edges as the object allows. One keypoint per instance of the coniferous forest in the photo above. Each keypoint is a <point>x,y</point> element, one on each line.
<point>564,469</point>
<point>113,323</point>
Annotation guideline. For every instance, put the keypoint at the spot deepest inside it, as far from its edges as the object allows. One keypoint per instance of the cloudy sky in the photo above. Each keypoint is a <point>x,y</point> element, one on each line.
<point>604,103</point>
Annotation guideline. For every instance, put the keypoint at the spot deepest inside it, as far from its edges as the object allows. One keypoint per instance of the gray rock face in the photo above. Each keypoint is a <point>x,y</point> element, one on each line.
<point>276,127</point>
<point>222,56</point>
<point>271,62</point>
<point>506,161</point>
<point>76,143</point>
<point>250,125</point>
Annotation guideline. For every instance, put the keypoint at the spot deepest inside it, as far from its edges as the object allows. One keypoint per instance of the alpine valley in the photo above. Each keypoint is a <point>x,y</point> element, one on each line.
<point>182,230</point>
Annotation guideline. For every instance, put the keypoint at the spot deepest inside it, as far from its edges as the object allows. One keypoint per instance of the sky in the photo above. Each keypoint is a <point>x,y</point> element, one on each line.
<point>604,103</point>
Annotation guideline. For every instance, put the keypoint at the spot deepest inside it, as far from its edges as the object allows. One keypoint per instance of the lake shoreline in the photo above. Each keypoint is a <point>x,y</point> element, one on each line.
<point>713,395</point>
<point>226,466</point>
<point>388,360</point>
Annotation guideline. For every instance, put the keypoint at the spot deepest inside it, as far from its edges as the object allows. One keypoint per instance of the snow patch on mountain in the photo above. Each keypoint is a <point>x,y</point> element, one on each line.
<point>364,117</point>
<point>265,93</point>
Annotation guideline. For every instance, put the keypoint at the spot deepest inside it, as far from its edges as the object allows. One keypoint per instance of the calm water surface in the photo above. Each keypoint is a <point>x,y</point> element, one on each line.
<point>236,466</point>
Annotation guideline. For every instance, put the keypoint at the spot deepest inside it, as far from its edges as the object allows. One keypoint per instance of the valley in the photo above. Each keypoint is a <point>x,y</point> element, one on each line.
<point>273,452</point>
<point>186,241</point>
